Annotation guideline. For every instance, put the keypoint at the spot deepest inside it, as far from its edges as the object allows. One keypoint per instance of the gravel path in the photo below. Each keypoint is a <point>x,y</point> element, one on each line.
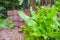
<point>12,34</point>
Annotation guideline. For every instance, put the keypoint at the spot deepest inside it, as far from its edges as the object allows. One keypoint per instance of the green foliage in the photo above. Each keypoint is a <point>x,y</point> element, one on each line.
<point>10,4</point>
<point>38,1</point>
<point>6,24</point>
<point>41,25</point>
<point>20,2</point>
<point>1,8</point>
<point>57,5</point>
<point>6,5</point>
<point>1,13</point>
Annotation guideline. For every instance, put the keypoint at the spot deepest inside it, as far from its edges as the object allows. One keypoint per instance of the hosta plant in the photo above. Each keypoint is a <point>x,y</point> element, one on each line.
<point>42,25</point>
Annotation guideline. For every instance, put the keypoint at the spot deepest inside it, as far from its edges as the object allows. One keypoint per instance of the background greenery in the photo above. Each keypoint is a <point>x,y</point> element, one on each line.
<point>6,5</point>
<point>16,4</point>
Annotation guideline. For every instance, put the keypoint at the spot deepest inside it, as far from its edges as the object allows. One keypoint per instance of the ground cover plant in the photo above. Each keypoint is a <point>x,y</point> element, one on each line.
<point>6,24</point>
<point>42,25</point>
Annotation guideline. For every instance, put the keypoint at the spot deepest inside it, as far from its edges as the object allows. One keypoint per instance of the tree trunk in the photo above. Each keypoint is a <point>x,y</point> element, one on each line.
<point>33,4</point>
<point>47,2</point>
<point>25,4</point>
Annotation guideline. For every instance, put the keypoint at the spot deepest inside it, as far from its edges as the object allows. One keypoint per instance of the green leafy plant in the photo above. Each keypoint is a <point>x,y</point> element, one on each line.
<point>20,2</point>
<point>57,5</point>
<point>6,24</point>
<point>1,13</point>
<point>8,5</point>
<point>41,25</point>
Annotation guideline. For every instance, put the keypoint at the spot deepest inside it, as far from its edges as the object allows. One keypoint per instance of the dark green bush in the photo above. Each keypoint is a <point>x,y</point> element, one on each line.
<point>6,5</point>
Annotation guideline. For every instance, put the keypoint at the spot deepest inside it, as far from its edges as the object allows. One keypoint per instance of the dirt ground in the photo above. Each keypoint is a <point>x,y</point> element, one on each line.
<point>12,34</point>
